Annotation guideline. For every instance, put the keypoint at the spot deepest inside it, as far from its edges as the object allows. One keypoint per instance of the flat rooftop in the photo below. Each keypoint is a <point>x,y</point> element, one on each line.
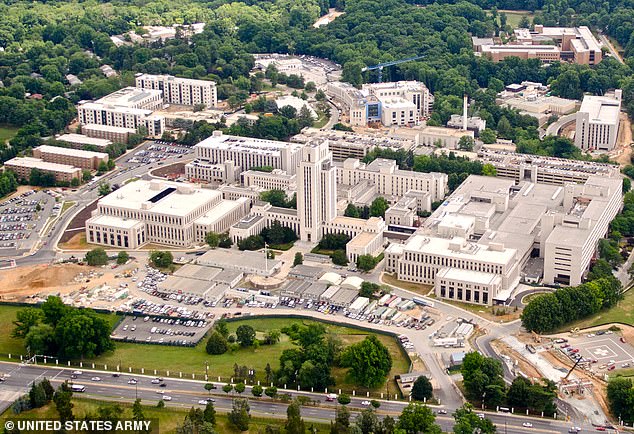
<point>441,247</point>
<point>36,163</point>
<point>442,131</point>
<point>199,272</point>
<point>129,96</point>
<point>236,259</point>
<point>601,109</point>
<point>219,211</point>
<point>71,152</point>
<point>363,239</point>
<point>247,145</point>
<point>118,222</point>
<point>160,197</point>
<point>83,140</point>
<point>118,109</point>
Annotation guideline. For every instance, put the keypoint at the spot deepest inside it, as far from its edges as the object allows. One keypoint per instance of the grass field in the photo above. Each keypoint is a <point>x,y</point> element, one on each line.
<point>7,133</point>
<point>513,17</point>
<point>409,286</point>
<point>193,360</point>
<point>169,418</point>
<point>623,312</point>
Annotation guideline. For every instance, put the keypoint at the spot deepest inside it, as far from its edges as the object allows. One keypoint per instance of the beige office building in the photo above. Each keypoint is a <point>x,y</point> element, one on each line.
<point>108,132</point>
<point>161,212</point>
<point>597,122</point>
<point>79,141</point>
<point>181,91</point>
<point>390,180</point>
<point>22,166</point>
<point>73,157</point>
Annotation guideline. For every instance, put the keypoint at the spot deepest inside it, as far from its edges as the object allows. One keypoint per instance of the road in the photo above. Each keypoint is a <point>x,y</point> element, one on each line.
<point>609,46</point>
<point>187,393</point>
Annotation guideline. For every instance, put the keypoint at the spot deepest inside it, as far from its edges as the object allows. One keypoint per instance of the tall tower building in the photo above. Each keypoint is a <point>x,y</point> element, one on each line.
<point>316,190</point>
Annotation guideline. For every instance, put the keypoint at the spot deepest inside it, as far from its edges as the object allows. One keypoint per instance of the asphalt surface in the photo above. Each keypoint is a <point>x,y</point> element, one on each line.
<point>187,393</point>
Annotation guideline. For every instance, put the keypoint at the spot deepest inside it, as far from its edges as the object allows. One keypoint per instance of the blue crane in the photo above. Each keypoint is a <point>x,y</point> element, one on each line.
<point>380,66</point>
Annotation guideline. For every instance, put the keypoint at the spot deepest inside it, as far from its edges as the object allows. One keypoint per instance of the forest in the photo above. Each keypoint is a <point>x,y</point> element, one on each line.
<point>45,41</point>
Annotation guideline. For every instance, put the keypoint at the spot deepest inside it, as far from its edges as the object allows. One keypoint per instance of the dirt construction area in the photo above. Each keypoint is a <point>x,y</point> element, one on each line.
<point>19,283</point>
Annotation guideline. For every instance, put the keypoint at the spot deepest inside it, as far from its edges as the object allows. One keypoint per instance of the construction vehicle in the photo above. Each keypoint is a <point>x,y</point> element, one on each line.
<point>380,66</point>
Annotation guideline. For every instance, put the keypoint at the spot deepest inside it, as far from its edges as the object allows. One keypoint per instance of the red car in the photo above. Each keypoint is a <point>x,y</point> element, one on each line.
<point>611,368</point>
<point>600,428</point>
<point>574,351</point>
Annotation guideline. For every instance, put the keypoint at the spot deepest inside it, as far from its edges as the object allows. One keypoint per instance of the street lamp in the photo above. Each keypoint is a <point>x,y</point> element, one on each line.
<point>206,370</point>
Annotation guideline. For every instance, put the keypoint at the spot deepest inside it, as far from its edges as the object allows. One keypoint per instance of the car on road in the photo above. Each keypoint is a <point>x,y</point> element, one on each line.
<point>132,381</point>
<point>481,415</point>
<point>206,401</point>
<point>155,381</point>
<point>442,411</point>
<point>95,379</point>
<point>366,403</point>
<point>116,374</point>
<point>527,425</point>
<point>601,428</point>
<point>77,372</point>
<point>167,398</point>
<point>574,429</point>
<point>162,385</point>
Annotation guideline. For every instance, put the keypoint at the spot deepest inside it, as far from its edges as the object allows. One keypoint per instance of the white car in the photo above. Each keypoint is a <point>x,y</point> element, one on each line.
<point>77,372</point>
<point>527,425</point>
<point>167,398</point>
<point>366,403</point>
<point>156,381</point>
<point>132,381</point>
<point>96,379</point>
<point>481,415</point>
<point>203,402</point>
<point>160,392</point>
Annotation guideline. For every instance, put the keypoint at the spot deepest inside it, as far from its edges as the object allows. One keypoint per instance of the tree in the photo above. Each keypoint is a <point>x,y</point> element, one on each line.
<point>339,257</point>
<point>239,416</point>
<point>74,182</point>
<point>422,389</point>
<point>80,333</point>
<point>96,257</point>
<point>467,422</point>
<point>216,344</point>
<point>489,169</point>
<point>272,337</point>
<point>366,262</point>
<point>466,143</point>
<point>209,387</point>
<point>63,404</point>
<point>299,259</point>
<point>482,377</point>
<point>488,136</point>
<point>294,422</point>
<point>368,289</point>
<point>271,392</point>
<point>212,238</point>
<point>524,22</point>
<point>221,327</point>
<point>341,423</point>
<point>352,211</point>
<point>224,241</point>
<point>369,361</point>
<point>621,398</point>
<point>378,207</point>
<point>122,257</point>
<point>227,388</point>
<point>240,388</point>
<point>209,414</point>
<point>137,410</point>
<point>104,189</point>
<point>54,310</point>
<point>25,319</point>
<point>41,339</point>
<point>161,259</point>
<point>334,242</point>
<point>37,396</point>
<point>245,335</point>
<point>417,418</point>
<point>257,390</point>
<point>344,399</point>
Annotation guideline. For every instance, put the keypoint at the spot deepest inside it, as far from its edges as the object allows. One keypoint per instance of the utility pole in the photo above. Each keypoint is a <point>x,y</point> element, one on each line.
<point>266,258</point>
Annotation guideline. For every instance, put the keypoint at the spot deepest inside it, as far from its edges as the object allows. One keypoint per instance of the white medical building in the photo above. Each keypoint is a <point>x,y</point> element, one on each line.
<point>161,212</point>
<point>181,91</point>
<point>244,152</point>
<point>129,108</point>
<point>394,103</point>
<point>474,246</point>
<point>597,122</point>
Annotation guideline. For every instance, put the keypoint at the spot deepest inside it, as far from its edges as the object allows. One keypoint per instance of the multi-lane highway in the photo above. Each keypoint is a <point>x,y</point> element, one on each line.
<point>188,393</point>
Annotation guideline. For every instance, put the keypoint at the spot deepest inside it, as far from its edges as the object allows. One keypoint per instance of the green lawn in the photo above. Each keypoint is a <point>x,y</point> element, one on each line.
<point>168,418</point>
<point>513,17</point>
<point>7,133</point>
<point>623,312</point>
<point>192,360</point>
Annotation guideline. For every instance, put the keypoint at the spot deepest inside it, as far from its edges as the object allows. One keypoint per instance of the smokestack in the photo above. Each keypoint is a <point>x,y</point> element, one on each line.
<point>464,113</point>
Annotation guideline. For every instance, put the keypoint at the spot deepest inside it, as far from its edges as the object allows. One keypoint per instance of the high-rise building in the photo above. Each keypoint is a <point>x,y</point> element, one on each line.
<point>182,91</point>
<point>597,122</point>
<point>316,190</point>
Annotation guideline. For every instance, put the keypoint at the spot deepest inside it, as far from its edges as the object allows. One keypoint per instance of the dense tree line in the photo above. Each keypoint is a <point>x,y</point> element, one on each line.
<point>621,399</point>
<point>279,198</point>
<point>548,312</point>
<point>8,183</point>
<point>63,331</point>
<point>484,382</point>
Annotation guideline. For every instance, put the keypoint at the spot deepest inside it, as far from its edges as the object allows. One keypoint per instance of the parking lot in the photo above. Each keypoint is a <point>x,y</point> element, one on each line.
<point>601,351</point>
<point>155,151</point>
<point>22,217</point>
<point>161,330</point>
